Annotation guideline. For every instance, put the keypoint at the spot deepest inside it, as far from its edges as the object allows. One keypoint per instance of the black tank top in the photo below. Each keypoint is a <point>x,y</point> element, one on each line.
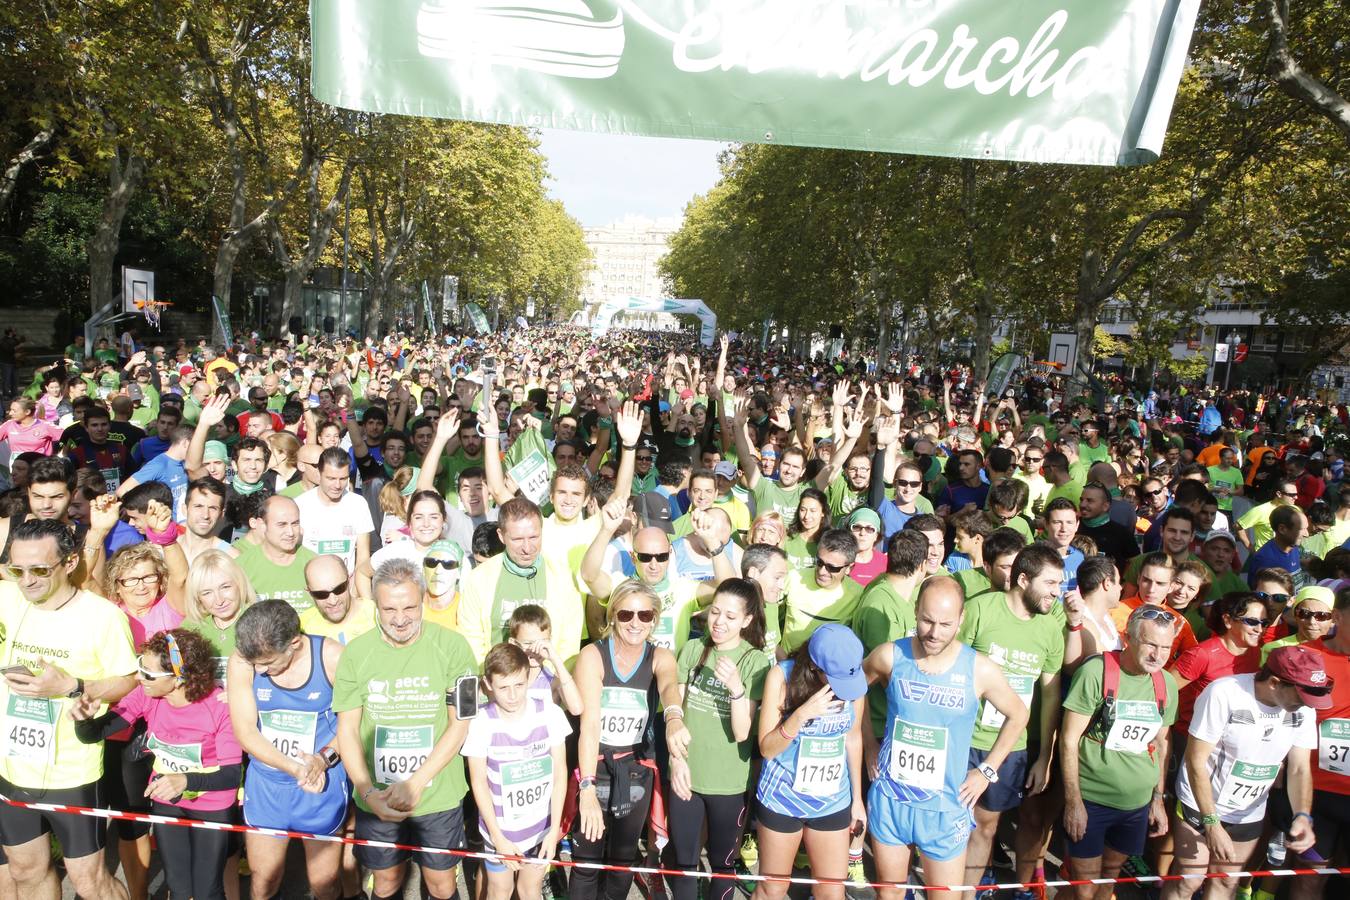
<point>627,706</point>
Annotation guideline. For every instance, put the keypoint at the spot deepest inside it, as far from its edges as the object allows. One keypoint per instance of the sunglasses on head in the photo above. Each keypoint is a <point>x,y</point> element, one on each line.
<point>1274,598</point>
<point>447,564</point>
<point>1313,615</point>
<point>652,557</point>
<point>833,569</point>
<point>1154,614</point>
<point>645,616</point>
<point>324,595</point>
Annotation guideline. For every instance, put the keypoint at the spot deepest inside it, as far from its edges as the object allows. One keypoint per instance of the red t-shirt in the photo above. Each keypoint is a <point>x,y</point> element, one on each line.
<point>1338,669</point>
<point>1208,661</point>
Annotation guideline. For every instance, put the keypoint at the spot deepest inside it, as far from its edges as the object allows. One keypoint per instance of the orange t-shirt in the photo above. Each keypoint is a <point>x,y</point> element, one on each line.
<point>1337,667</point>
<point>1211,455</point>
<point>1184,640</point>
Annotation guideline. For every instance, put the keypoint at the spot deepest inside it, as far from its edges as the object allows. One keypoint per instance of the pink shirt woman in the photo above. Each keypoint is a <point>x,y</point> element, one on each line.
<point>25,432</point>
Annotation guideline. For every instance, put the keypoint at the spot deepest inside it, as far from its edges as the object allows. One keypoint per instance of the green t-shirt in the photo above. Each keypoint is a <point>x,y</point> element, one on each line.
<point>1090,454</point>
<point>294,490</point>
<point>718,764</point>
<point>1222,584</point>
<point>1119,778</point>
<point>972,581</point>
<point>843,498</point>
<point>1073,489</point>
<point>220,639</point>
<point>1037,489</point>
<point>801,554</point>
<point>810,606</point>
<point>1258,520</point>
<point>1219,479</point>
<point>1023,648</point>
<point>882,616</point>
<point>447,472</point>
<point>770,496</point>
<point>401,692</point>
<point>679,603</point>
<point>271,581</point>
<point>148,411</point>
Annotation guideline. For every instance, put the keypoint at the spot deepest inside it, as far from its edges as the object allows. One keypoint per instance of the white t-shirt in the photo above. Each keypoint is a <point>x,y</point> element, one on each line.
<point>334,528</point>
<point>1250,742</point>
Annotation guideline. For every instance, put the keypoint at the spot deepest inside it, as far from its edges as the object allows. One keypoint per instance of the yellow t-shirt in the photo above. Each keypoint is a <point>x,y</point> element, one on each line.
<point>809,607</point>
<point>446,618</point>
<point>89,638</point>
<point>313,622</point>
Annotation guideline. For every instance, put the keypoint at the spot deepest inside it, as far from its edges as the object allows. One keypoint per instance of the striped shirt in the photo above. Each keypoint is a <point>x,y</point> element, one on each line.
<point>786,785</point>
<point>520,776</point>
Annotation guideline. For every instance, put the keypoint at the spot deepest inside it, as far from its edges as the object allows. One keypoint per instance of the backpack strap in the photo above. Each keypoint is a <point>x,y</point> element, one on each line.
<point>1160,692</point>
<point>1110,674</point>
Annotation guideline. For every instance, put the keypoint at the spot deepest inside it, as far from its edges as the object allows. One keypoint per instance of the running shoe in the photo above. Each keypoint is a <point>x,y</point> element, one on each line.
<point>855,870</point>
<point>750,851</point>
<point>565,849</point>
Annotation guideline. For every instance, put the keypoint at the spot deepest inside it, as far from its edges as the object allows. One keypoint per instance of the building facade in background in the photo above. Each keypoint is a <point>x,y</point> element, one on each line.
<point>625,257</point>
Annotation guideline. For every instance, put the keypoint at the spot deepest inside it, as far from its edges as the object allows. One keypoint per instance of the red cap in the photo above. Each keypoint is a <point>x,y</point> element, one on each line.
<point>1303,668</point>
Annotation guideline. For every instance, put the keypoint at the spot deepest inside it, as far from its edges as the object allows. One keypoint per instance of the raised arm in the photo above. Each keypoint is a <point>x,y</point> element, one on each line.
<point>598,581</point>
<point>492,454</point>
<point>446,427</point>
<point>213,413</point>
<point>628,422</point>
<point>744,455</point>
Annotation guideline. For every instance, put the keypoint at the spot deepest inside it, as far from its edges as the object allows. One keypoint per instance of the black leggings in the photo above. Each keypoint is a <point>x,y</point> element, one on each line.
<point>725,815</point>
<point>617,846</point>
<point>124,783</point>
<point>194,858</point>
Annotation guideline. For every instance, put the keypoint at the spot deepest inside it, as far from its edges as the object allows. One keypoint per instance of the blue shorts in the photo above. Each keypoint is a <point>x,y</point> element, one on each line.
<point>272,801</point>
<point>940,836</point>
<point>1123,830</point>
<point>493,865</point>
<point>1010,789</point>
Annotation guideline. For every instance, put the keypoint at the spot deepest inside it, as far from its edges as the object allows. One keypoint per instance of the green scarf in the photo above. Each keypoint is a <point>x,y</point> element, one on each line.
<point>243,488</point>
<point>1097,521</point>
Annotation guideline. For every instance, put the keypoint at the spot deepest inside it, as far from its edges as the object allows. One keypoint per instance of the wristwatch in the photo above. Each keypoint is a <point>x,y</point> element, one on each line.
<point>989,772</point>
<point>330,757</point>
<point>79,689</point>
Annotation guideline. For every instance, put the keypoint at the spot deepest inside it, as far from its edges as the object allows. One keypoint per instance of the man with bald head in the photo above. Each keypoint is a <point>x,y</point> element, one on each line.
<point>276,564</point>
<point>925,780</point>
<point>650,561</point>
<point>337,613</point>
<point>307,461</point>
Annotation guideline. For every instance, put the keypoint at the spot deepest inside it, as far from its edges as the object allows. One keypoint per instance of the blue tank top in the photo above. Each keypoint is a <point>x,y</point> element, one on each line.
<point>929,723</point>
<point>299,719</point>
<point>810,778</point>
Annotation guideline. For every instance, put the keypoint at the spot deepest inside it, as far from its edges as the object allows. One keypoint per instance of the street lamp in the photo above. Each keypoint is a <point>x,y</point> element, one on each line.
<point>1233,338</point>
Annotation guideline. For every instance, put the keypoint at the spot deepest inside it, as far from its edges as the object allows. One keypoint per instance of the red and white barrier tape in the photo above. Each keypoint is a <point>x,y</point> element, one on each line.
<point>649,870</point>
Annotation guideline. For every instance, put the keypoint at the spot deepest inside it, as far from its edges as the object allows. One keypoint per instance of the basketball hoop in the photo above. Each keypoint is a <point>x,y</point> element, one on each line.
<point>153,309</point>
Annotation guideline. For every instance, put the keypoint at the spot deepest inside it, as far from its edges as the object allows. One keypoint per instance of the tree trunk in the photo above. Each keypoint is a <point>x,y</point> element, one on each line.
<point>226,255</point>
<point>10,179</point>
<point>124,179</point>
<point>1086,308</point>
<point>984,335</point>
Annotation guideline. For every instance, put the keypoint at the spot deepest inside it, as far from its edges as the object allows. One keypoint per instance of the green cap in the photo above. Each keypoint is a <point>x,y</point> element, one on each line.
<point>865,515</point>
<point>446,548</point>
<point>215,452</point>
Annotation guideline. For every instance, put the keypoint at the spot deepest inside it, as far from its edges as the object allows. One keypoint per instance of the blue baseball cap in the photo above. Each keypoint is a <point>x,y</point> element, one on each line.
<point>838,653</point>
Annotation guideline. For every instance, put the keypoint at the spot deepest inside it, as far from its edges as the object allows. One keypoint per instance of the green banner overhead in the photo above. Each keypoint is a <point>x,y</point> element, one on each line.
<point>1070,82</point>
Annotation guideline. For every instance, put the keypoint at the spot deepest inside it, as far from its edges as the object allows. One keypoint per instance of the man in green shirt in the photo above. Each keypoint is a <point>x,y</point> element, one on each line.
<point>886,610</point>
<point>399,738</point>
<point>1062,482</point>
<point>1226,479</point>
<point>1000,549</point>
<point>824,593</point>
<point>1017,632</point>
<point>276,565</point>
<point>1257,519</point>
<point>1113,753</point>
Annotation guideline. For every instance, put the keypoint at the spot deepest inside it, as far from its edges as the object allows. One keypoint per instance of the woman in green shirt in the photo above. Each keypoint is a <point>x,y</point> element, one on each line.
<point>218,592</point>
<point>722,679</point>
<point>813,520</point>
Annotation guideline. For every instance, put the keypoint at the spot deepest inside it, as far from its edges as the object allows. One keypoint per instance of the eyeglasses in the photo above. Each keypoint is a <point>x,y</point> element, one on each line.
<point>652,557</point>
<point>1251,621</point>
<point>907,484</point>
<point>1288,493</point>
<point>1273,598</point>
<point>1310,690</point>
<point>1032,460</point>
<point>1156,493</point>
<point>830,568</point>
<point>138,580</point>
<point>861,527</point>
<point>17,572</point>
<point>152,676</point>
<point>324,595</point>
<point>645,458</point>
<point>645,616</point>
<point>447,564</point>
<point>1311,615</point>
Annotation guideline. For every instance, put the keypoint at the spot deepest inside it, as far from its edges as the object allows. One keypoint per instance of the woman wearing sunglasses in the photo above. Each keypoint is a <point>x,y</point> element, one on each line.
<point>622,676</point>
<point>1312,607</point>
<point>1236,622</point>
<point>196,757</point>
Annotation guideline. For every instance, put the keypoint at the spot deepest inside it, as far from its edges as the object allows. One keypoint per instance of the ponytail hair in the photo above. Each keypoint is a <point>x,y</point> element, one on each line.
<point>752,602</point>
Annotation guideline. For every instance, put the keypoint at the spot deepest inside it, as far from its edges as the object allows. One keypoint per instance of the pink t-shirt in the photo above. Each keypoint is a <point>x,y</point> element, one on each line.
<point>160,617</point>
<point>863,573</point>
<point>36,438</point>
<point>188,738</point>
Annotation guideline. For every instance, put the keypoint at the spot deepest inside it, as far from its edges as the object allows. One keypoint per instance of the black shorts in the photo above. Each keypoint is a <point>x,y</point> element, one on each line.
<point>1239,832</point>
<point>777,822</point>
<point>124,784</point>
<point>1010,789</point>
<point>440,830</point>
<point>78,835</point>
<point>1331,812</point>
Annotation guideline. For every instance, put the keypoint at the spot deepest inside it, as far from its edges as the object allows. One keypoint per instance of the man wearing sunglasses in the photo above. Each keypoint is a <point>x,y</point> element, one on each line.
<point>1033,457</point>
<point>44,617</point>
<point>1254,525</point>
<point>1243,730</point>
<point>1112,751</point>
<point>824,593</point>
<point>337,612</point>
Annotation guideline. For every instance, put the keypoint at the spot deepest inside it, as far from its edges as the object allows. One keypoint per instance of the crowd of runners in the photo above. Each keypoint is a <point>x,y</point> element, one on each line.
<point>623,599</point>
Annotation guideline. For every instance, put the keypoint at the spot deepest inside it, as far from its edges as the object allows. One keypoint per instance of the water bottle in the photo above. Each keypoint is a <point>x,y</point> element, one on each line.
<point>1275,851</point>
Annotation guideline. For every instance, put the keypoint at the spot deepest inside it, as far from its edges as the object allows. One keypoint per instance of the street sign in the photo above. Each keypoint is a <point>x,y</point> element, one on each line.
<point>1220,353</point>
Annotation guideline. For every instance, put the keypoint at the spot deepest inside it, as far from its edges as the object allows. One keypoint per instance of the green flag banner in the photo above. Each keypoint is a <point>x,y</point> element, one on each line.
<point>1084,82</point>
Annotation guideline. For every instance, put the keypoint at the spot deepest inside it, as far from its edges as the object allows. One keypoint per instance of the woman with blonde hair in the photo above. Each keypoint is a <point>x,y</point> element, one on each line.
<point>770,529</point>
<point>282,468</point>
<point>393,500</point>
<point>218,592</point>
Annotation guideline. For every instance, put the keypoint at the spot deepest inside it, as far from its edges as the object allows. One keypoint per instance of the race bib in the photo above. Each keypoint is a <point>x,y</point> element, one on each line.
<point>1245,785</point>
<point>222,669</point>
<point>1333,746</point>
<point>175,759</point>
<point>527,792</point>
<point>399,752</point>
<point>623,716</point>
<point>664,635</point>
<point>1024,685</point>
<point>112,478</point>
<point>918,755</point>
<point>30,725</point>
<point>820,766</point>
<point>1137,721</point>
<point>290,731</point>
